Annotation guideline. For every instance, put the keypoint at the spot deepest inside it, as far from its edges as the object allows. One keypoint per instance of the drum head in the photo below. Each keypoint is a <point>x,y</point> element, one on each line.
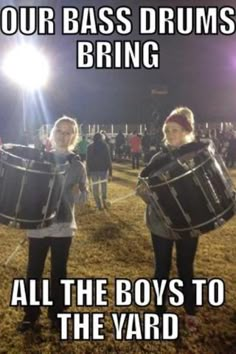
<point>31,185</point>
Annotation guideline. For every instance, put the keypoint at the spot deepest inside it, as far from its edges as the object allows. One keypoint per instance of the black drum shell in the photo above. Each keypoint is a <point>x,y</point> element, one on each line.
<point>192,187</point>
<point>38,177</point>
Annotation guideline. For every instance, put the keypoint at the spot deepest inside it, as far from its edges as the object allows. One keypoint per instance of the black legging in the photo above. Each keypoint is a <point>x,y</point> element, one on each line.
<point>185,254</point>
<point>38,249</point>
<point>135,160</point>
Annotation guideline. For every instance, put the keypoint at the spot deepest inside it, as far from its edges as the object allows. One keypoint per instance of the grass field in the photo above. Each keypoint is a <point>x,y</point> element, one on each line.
<point>116,244</point>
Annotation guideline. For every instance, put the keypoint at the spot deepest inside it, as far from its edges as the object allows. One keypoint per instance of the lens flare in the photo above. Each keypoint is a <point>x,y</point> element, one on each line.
<point>26,66</point>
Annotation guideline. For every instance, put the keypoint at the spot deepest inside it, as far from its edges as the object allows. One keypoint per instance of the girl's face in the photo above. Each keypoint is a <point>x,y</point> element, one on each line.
<point>64,135</point>
<point>175,134</point>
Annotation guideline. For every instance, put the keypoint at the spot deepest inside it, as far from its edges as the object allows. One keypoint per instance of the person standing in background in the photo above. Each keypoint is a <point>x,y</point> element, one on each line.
<point>82,147</point>
<point>135,143</point>
<point>119,145</point>
<point>99,168</point>
<point>146,144</point>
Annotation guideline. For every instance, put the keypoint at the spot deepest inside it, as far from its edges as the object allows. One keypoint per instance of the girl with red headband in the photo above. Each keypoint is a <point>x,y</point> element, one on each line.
<point>178,129</point>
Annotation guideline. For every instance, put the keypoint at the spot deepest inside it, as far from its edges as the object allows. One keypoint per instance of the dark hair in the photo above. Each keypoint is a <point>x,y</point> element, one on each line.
<point>97,137</point>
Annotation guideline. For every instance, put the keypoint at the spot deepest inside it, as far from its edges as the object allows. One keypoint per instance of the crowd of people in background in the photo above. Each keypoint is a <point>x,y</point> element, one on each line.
<point>136,148</point>
<point>139,148</point>
<point>225,142</point>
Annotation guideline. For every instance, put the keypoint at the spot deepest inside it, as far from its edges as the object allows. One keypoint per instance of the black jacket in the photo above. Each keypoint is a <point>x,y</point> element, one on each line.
<point>98,158</point>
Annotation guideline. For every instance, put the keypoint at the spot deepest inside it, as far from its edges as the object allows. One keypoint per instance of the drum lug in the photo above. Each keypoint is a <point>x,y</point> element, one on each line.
<point>187,217</point>
<point>196,181</point>
<point>40,226</point>
<point>24,181</point>
<point>51,183</point>
<point>183,164</point>
<point>191,163</point>
<point>44,210</point>
<point>165,176</point>
<point>219,223</point>
<point>174,235</point>
<point>25,163</point>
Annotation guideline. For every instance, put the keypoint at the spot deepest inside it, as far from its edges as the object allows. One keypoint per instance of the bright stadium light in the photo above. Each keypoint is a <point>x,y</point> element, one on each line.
<point>26,66</point>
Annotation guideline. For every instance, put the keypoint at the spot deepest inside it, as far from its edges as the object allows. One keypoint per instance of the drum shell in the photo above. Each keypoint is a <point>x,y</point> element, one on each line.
<point>31,184</point>
<point>192,189</point>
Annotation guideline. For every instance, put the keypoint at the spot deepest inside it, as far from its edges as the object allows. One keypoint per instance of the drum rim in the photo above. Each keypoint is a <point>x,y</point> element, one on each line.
<point>45,163</point>
<point>11,146</point>
<point>27,220</point>
<point>205,223</point>
<point>178,177</point>
<point>56,172</point>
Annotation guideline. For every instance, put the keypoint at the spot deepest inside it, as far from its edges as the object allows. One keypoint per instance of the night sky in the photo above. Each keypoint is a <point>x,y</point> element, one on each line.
<point>199,72</point>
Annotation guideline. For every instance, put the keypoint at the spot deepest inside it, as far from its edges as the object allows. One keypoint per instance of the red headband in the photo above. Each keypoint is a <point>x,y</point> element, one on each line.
<point>181,120</point>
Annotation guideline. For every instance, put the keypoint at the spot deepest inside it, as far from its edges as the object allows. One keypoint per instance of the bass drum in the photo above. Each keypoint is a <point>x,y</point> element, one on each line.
<point>31,186</point>
<point>190,189</point>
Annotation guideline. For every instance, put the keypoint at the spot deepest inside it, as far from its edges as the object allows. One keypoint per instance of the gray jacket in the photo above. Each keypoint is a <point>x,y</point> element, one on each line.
<point>65,224</point>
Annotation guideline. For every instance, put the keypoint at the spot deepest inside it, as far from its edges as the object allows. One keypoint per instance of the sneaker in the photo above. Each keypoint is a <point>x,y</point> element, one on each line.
<point>106,204</point>
<point>99,209</point>
<point>191,323</point>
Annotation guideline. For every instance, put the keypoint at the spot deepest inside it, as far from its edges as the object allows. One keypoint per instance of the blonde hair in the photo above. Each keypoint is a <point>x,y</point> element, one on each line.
<point>188,114</point>
<point>73,123</point>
